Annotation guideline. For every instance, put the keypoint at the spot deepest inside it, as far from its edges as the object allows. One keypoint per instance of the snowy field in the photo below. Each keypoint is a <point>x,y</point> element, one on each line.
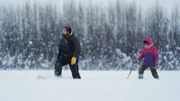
<point>94,86</point>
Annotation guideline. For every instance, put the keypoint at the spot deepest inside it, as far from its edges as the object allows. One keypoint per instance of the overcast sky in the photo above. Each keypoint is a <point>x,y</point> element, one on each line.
<point>166,2</point>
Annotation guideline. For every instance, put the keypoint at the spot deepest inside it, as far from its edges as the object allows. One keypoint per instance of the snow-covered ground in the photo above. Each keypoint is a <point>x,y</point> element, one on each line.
<point>94,86</point>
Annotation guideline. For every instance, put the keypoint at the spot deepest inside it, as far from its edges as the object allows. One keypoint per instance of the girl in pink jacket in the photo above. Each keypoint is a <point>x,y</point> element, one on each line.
<point>150,55</point>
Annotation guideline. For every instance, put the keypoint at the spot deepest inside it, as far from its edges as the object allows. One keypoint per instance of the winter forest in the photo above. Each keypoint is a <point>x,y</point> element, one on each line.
<point>111,36</point>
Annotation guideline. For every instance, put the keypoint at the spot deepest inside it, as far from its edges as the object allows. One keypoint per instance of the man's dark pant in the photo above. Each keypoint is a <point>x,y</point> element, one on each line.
<point>152,68</point>
<point>64,61</point>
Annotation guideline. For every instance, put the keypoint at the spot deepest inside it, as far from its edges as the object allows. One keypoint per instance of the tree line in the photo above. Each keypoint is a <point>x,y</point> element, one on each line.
<point>111,37</point>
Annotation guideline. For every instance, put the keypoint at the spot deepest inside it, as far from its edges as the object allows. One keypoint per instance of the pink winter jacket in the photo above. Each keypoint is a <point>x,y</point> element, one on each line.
<point>149,54</point>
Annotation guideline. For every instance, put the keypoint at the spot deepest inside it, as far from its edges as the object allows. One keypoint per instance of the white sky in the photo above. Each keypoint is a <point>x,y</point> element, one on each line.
<point>142,2</point>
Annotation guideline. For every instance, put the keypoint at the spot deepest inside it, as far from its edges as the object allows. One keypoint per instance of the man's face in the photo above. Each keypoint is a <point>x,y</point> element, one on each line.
<point>65,32</point>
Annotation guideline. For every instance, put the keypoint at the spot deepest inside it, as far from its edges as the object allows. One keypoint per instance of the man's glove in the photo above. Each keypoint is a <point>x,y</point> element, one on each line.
<point>73,60</point>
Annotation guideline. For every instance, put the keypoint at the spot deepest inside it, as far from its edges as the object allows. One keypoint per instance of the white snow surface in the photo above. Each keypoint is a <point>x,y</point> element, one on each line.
<point>94,86</point>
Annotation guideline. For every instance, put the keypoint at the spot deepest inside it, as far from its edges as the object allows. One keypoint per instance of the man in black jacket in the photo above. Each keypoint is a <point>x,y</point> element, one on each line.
<point>69,52</point>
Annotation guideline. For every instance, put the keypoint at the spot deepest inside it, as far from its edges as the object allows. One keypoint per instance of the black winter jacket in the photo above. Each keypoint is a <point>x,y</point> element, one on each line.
<point>69,47</point>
